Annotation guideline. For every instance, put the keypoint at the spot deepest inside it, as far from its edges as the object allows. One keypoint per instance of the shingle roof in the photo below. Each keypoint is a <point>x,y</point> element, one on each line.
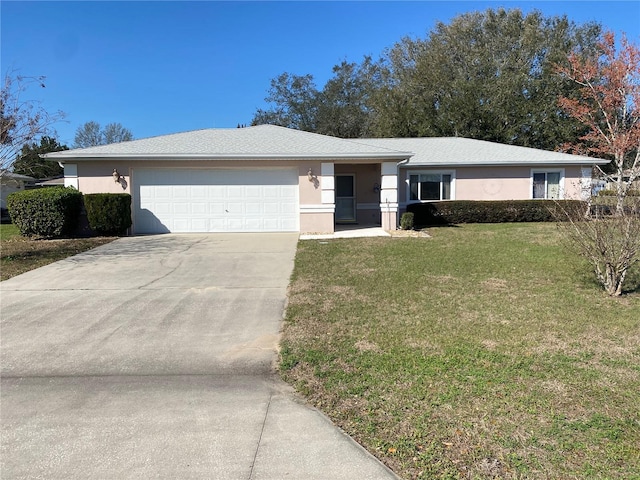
<point>273,142</point>
<point>451,151</point>
<point>258,142</point>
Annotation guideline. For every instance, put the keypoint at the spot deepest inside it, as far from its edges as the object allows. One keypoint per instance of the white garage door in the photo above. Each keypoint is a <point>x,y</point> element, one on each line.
<point>215,200</point>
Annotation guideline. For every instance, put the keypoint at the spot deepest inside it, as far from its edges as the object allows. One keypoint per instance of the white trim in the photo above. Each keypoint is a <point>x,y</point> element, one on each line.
<point>388,207</point>
<point>327,184</point>
<point>389,182</point>
<point>328,197</point>
<point>315,208</point>
<point>546,171</point>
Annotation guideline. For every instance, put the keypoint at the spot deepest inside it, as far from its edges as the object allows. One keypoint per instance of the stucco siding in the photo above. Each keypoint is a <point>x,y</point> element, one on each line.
<point>316,222</point>
<point>497,183</point>
<point>491,183</point>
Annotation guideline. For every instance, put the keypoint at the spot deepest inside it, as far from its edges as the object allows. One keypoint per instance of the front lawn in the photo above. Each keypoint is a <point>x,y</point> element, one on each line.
<point>486,351</point>
<point>19,254</point>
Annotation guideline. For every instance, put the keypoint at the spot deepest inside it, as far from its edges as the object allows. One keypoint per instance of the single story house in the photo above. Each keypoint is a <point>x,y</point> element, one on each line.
<point>12,182</point>
<point>271,179</point>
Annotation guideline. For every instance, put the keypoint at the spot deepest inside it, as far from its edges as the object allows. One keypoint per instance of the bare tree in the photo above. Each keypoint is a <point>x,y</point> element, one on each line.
<point>91,134</point>
<point>21,120</point>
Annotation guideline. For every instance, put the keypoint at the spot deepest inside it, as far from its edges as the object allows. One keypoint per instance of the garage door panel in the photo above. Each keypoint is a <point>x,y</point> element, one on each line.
<point>235,192</point>
<point>288,225</point>
<point>198,208</point>
<point>254,208</point>
<point>161,192</point>
<point>215,200</point>
<point>235,208</point>
<point>216,208</point>
<point>288,209</point>
<point>199,225</point>
<point>216,191</point>
<point>162,207</point>
<point>271,208</point>
<point>181,209</point>
<point>253,192</point>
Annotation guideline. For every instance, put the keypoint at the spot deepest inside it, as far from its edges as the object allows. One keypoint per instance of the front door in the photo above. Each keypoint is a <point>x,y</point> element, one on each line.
<point>345,198</point>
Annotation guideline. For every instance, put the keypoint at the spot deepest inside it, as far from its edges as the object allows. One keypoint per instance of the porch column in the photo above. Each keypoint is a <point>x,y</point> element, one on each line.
<point>328,189</point>
<point>389,195</point>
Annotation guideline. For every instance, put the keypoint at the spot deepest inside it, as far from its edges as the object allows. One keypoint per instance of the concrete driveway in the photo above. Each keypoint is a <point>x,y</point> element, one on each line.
<point>153,357</point>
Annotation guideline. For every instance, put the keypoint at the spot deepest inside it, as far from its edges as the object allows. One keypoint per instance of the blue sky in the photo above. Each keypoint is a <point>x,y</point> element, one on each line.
<point>165,67</point>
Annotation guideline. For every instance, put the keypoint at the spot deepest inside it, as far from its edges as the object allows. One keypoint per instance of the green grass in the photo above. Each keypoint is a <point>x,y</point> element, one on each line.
<point>19,254</point>
<point>487,351</point>
<point>8,231</point>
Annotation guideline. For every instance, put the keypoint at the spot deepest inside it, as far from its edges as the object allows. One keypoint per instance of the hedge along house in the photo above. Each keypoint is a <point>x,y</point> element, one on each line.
<point>271,179</point>
<point>256,179</point>
<point>466,169</point>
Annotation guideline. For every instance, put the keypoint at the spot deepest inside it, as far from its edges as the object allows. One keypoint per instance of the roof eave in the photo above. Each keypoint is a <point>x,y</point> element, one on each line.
<point>591,161</point>
<point>239,156</point>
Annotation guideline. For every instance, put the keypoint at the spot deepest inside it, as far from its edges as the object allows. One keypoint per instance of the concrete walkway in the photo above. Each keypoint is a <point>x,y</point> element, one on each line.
<point>347,231</point>
<point>152,357</point>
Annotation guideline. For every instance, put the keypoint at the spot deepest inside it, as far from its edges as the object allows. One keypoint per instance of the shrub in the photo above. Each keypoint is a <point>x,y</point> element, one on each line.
<point>469,211</point>
<point>45,212</point>
<point>406,221</point>
<point>108,213</point>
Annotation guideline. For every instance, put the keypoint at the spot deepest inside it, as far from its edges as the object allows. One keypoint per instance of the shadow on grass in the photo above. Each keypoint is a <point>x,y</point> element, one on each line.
<point>587,279</point>
<point>632,282</point>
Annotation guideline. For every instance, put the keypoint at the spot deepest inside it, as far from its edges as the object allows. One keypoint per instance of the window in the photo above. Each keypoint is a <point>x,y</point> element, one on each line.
<point>547,185</point>
<point>430,186</point>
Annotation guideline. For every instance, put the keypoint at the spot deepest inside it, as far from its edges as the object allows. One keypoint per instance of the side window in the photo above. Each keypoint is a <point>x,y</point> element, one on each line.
<point>547,185</point>
<point>430,186</point>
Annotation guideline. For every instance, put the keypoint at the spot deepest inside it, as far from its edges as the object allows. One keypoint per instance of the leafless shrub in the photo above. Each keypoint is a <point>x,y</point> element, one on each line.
<point>607,237</point>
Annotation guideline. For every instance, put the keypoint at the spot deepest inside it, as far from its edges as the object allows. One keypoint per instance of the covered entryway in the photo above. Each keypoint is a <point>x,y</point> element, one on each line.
<point>345,185</point>
<point>215,200</point>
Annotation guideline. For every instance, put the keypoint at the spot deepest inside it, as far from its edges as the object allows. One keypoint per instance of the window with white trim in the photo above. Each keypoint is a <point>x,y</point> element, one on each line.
<point>430,186</point>
<point>547,184</point>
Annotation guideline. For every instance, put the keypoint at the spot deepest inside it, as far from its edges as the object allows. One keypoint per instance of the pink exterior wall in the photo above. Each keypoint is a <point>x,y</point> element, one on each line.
<point>316,223</point>
<point>97,177</point>
<point>572,187</point>
<point>496,183</point>
<point>491,183</point>
<point>309,191</point>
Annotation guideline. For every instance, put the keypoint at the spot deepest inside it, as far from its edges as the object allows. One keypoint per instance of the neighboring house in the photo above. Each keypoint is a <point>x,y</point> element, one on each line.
<point>51,182</point>
<point>273,179</point>
<point>12,182</point>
